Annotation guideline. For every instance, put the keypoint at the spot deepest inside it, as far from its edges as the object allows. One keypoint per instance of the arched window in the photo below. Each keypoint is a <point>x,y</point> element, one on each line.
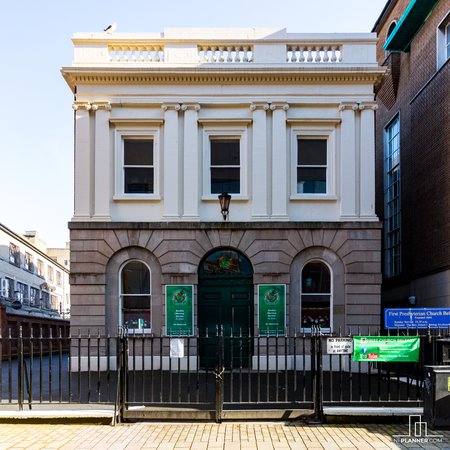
<point>316,298</point>
<point>135,296</point>
<point>389,32</point>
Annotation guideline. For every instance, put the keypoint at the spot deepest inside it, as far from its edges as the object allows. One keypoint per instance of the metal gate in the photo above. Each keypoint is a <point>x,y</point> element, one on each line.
<point>260,377</point>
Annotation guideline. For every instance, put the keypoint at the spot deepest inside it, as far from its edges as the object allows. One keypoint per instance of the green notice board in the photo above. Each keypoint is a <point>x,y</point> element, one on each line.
<point>272,308</point>
<point>386,348</point>
<point>179,310</point>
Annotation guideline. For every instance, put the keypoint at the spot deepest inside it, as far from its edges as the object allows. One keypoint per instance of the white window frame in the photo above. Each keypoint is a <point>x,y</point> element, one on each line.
<point>389,269</point>
<point>442,49</point>
<point>144,133</point>
<point>225,132</point>
<point>134,330</point>
<point>316,260</point>
<point>327,133</point>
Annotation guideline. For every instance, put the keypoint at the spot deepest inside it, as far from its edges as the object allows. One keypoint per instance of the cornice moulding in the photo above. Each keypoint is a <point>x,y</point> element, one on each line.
<point>98,76</point>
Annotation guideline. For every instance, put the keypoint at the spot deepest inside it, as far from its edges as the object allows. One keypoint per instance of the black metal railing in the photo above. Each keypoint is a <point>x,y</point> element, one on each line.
<point>211,372</point>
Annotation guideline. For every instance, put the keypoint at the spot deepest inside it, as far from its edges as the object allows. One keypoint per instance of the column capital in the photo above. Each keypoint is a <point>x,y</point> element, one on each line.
<point>259,105</point>
<point>81,105</point>
<point>368,105</point>
<point>170,106</point>
<point>348,105</point>
<point>190,106</point>
<point>279,105</point>
<point>101,105</point>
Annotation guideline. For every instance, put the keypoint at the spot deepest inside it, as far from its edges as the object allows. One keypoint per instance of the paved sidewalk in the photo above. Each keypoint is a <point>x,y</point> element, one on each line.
<point>198,436</point>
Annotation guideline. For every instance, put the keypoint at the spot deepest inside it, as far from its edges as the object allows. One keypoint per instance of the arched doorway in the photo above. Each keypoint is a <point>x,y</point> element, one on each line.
<point>225,299</point>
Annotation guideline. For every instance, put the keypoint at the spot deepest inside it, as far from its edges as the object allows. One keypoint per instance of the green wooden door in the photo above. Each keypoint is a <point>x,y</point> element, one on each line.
<point>226,305</point>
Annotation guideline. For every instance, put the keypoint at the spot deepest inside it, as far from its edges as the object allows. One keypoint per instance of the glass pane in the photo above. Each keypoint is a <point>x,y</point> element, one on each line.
<point>139,181</point>
<point>315,311</point>
<point>138,152</point>
<point>225,152</point>
<point>225,180</point>
<point>316,278</point>
<point>312,152</point>
<point>311,181</point>
<point>135,278</point>
<point>136,312</point>
<point>226,262</point>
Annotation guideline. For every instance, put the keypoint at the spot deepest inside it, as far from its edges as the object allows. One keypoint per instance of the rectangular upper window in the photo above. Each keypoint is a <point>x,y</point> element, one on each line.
<point>311,166</point>
<point>225,166</point>
<point>225,161</point>
<point>138,166</point>
<point>136,163</point>
<point>14,254</point>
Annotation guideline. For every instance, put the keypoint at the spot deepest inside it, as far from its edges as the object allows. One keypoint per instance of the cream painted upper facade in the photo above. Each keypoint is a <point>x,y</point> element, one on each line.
<point>184,87</point>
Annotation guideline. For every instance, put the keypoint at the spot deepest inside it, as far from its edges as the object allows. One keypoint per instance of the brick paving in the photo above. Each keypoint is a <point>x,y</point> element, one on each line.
<point>200,436</point>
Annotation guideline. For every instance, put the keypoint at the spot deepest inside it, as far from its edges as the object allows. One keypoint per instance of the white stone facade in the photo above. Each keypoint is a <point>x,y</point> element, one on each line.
<point>267,90</point>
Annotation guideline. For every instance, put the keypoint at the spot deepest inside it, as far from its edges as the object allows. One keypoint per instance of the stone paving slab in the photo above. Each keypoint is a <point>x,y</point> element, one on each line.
<point>224,436</point>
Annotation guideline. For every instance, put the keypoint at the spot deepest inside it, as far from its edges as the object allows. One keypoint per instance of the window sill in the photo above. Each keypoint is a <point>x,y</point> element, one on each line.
<point>313,197</point>
<point>137,198</point>
<point>138,331</point>
<point>234,198</point>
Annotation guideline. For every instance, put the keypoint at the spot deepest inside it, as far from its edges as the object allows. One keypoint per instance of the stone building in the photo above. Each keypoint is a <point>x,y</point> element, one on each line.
<point>166,122</point>
<point>413,152</point>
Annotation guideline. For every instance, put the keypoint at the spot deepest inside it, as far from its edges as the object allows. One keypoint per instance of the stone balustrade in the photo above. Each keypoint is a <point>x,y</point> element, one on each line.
<point>240,46</point>
<point>310,53</point>
<point>136,53</point>
<point>225,53</point>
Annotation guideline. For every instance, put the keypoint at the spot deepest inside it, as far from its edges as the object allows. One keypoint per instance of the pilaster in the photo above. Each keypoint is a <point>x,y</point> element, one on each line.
<point>348,160</point>
<point>191,178</point>
<point>367,159</point>
<point>102,162</point>
<point>260,179</point>
<point>172,172</point>
<point>279,161</point>
<point>83,178</point>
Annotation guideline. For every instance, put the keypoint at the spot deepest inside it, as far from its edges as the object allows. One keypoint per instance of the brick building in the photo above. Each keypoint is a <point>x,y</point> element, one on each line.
<point>413,151</point>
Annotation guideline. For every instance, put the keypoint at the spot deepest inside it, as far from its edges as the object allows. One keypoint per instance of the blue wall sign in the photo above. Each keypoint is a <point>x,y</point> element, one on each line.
<point>417,318</point>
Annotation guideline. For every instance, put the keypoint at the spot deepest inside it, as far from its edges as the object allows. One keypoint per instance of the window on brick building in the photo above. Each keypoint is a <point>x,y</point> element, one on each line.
<point>392,199</point>
<point>443,41</point>
<point>389,32</point>
<point>135,296</point>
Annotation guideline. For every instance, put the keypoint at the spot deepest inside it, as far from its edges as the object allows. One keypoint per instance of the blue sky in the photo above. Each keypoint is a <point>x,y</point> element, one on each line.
<point>36,116</point>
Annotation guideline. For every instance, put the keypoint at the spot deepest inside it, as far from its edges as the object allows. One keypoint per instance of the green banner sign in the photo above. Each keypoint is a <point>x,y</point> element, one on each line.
<point>179,310</point>
<point>272,308</point>
<point>386,348</point>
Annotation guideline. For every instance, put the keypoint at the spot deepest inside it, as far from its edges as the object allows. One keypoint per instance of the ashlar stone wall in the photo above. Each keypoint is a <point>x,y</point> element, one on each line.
<point>173,251</point>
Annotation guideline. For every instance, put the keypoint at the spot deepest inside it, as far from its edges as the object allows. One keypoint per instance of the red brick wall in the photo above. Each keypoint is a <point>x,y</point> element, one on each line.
<point>421,95</point>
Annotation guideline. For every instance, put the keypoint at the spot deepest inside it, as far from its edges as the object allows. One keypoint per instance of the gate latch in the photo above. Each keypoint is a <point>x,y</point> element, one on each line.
<point>219,373</point>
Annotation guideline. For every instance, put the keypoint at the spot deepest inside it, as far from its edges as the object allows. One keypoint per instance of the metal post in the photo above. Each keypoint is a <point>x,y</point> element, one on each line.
<point>319,384</point>
<point>219,374</point>
<point>20,368</point>
<point>317,376</point>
